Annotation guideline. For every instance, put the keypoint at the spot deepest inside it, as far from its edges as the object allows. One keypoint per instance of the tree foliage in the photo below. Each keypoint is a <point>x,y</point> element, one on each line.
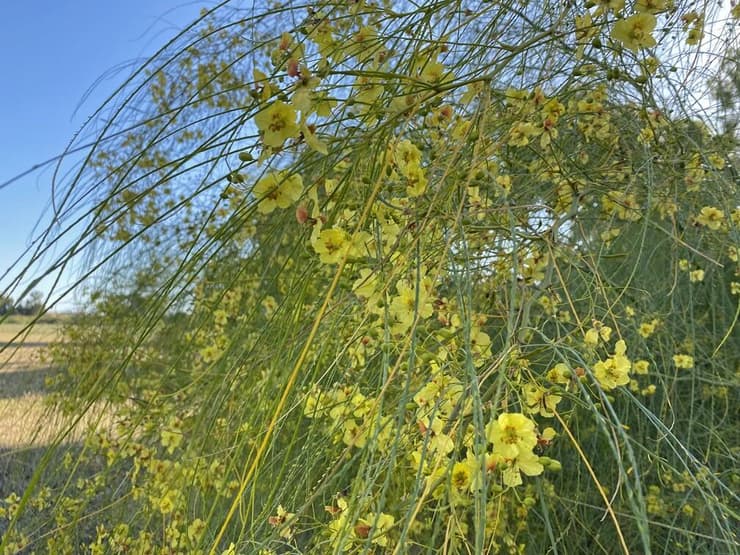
<point>399,278</point>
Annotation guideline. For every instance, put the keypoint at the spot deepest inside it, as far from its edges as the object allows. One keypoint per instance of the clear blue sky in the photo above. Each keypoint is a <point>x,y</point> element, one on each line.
<point>51,53</point>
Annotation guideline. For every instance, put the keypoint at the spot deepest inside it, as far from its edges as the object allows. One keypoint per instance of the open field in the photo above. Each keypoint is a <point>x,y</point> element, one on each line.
<point>22,376</point>
<point>27,425</point>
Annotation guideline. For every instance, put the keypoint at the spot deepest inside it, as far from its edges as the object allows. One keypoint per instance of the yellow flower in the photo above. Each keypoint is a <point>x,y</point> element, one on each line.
<point>683,361</point>
<point>635,31</point>
<point>696,31</point>
<point>375,527</point>
<point>526,462</point>
<point>521,132</point>
<point>614,371</point>
<point>539,400</point>
<point>196,529</point>
<point>407,156</point>
<point>480,343</point>
<point>331,245</point>
<point>505,182</point>
<point>461,475</point>
<point>647,329</point>
<point>716,161</point>
<point>696,275</point>
<point>614,5</point>
<point>167,502</point>
<point>641,366</point>
<point>592,337</point>
<point>650,6</point>
<point>277,122</point>
<point>171,434</point>
<point>416,182</point>
<point>560,373</point>
<point>283,520</point>
<point>599,330</point>
<point>312,140</point>
<point>277,190</point>
<point>511,434</point>
<point>711,217</point>
<point>649,390</point>
<point>403,307</point>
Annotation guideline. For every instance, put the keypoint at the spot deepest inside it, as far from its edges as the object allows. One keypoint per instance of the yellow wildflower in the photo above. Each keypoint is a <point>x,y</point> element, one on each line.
<point>312,140</point>
<point>711,217</point>
<point>647,329</point>
<point>521,132</point>
<point>592,337</point>
<point>167,502</point>
<point>560,373</point>
<point>539,400</point>
<point>331,245</point>
<point>614,371</point>
<point>277,122</point>
<point>635,31</point>
<point>694,23</point>
<point>376,527</point>
<point>277,190</point>
<point>526,462</point>
<point>283,521</point>
<point>416,182</point>
<point>696,275</point>
<point>598,330</point>
<point>649,390</point>
<point>171,434</point>
<point>641,366</point>
<point>683,361</point>
<point>403,307</point>
<point>614,5</point>
<point>461,475</point>
<point>196,529</point>
<point>511,434</point>
<point>716,161</point>
<point>650,6</point>
<point>406,155</point>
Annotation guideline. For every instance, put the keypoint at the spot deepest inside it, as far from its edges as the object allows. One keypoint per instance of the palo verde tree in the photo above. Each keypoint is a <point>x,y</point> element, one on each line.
<point>454,277</point>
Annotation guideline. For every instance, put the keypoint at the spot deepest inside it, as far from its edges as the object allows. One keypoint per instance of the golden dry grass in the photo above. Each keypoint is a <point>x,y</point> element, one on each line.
<point>28,425</point>
<point>25,420</point>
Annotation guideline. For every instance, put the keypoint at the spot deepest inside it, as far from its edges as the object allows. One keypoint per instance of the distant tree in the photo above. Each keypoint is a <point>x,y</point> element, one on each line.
<point>33,304</point>
<point>6,305</point>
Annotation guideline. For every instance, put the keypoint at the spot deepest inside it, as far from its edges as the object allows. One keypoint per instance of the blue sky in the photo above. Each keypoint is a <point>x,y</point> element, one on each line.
<point>51,53</point>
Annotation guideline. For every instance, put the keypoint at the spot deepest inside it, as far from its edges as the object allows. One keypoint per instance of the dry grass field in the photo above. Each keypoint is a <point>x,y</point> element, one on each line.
<point>22,376</point>
<point>27,425</point>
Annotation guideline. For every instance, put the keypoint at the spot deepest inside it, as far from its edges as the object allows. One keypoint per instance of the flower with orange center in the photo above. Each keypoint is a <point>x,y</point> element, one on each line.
<point>511,433</point>
<point>331,245</point>
<point>277,190</point>
<point>711,217</point>
<point>635,32</point>
<point>277,122</point>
